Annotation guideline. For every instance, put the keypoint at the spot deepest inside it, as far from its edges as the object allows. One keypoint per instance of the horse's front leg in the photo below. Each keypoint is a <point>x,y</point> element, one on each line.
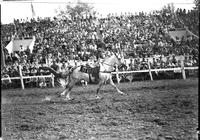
<point>113,85</point>
<point>70,86</point>
<point>63,93</point>
<point>98,89</point>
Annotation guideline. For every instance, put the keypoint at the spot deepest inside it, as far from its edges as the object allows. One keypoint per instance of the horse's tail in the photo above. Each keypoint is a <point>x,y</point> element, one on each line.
<point>55,73</point>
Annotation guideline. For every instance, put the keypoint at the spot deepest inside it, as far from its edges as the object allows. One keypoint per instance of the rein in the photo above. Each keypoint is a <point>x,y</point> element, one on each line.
<point>107,64</point>
<point>104,67</point>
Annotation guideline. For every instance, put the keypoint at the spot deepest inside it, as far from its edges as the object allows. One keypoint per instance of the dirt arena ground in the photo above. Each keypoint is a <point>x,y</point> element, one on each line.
<point>157,110</point>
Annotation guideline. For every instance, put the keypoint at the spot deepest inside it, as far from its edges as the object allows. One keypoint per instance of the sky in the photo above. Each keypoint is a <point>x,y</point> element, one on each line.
<point>46,8</point>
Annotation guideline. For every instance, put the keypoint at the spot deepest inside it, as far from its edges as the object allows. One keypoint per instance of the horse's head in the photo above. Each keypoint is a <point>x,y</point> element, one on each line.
<point>118,60</point>
<point>111,62</point>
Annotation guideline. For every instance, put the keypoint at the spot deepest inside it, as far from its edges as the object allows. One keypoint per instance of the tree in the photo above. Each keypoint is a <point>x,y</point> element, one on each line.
<point>196,2</point>
<point>169,8</point>
<point>77,10</point>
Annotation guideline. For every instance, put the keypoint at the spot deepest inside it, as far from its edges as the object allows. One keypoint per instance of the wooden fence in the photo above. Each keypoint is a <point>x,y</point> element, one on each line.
<point>181,69</point>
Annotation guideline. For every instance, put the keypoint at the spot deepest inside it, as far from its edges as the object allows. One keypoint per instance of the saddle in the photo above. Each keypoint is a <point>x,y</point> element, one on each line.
<point>92,71</point>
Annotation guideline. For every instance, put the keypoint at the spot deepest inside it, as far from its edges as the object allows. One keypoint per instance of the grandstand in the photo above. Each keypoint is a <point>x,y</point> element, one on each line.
<point>138,38</point>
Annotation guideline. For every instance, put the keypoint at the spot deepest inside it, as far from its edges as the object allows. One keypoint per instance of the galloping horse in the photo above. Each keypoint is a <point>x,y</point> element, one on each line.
<point>76,75</point>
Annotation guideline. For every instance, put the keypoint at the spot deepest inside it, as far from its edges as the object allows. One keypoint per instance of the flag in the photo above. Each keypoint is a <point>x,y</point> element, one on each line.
<point>33,11</point>
<point>9,47</point>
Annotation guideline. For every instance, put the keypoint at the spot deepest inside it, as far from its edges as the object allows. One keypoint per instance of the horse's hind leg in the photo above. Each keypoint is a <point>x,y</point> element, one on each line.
<point>63,93</point>
<point>98,89</point>
<point>65,89</point>
<point>112,84</point>
<point>70,86</point>
<point>68,93</point>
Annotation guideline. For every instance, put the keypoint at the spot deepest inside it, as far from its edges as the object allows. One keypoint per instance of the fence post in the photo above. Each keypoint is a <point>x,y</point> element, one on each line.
<point>21,76</point>
<point>52,76</point>
<point>117,74</point>
<point>183,69</point>
<point>150,71</point>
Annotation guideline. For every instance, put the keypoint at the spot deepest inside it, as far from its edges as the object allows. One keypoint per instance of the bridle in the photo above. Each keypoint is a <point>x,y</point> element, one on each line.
<point>114,63</point>
<point>110,65</point>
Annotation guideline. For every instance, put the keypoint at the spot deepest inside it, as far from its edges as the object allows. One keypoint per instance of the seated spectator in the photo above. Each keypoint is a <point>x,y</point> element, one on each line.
<point>174,61</point>
<point>193,61</point>
<point>33,70</point>
<point>137,64</point>
<point>178,63</point>
<point>187,62</point>
<point>25,71</point>
<point>161,63</point>
<point>143,64</point>
<point>154,64</point>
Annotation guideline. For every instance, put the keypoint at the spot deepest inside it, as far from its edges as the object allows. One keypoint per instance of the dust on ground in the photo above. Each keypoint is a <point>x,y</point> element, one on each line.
<point>154,110</point>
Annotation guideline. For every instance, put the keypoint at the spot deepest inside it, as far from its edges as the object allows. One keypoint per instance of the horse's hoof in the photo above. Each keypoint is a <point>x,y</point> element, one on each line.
<point>62,95</point>
<point>67,98</point>
<point>122,93</point>
<point>47,98</point>
<point>98,97</point>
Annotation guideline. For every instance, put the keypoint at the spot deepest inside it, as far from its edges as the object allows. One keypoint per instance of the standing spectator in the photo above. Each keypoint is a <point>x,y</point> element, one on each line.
<point>55,66</point>
<point>143,65</point>
<point>64,67</point>
<point>174,61</point>
<point>153,64</point>
<point>131,64</point>
<point>168,63</point>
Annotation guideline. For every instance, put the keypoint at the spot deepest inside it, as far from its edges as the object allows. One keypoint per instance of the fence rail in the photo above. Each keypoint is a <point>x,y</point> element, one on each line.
<point>166,69</point>
<point>181,69</point>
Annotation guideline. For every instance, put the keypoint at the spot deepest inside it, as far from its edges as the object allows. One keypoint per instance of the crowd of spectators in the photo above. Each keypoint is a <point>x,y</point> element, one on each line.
<point>135,37</point>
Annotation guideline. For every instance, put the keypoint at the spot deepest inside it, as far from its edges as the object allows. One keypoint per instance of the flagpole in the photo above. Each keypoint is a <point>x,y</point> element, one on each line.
<point>33,11</point>
<point>2,57</point>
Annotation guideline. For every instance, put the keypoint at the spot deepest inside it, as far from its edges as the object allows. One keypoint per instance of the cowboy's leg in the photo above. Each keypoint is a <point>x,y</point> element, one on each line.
<point>112,84</point>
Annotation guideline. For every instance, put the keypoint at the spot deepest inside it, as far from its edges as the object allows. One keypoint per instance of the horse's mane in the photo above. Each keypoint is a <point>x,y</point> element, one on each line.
<point>106,58</point>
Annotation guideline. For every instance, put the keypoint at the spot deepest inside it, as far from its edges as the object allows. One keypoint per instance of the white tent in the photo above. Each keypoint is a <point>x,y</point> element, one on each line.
<point>181,33</point>
<point>20,45</point>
